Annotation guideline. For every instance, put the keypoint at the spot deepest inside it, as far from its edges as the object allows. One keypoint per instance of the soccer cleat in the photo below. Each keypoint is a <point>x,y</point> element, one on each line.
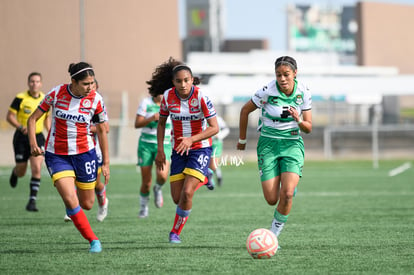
<point>276,227</point>
<point>158,199</point>
<point>66,218</point>
<point>13,179</point>
<point>96,247</point>
<point>31,206</point>
<point>174,238</point>
<point>102,211</point>
<point>210,181</point>
<point>210,184</point>
<point>273,227</point>
<point>143,212</point>
<point>219,181</point>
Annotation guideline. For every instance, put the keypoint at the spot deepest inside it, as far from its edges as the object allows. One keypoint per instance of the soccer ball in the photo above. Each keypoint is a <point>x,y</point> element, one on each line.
<point>262,244</point>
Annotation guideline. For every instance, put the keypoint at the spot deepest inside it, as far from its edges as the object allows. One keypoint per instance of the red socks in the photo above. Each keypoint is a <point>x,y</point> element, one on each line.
<point>82,224</point>
<point>179,223</point>
<point>181,217</point>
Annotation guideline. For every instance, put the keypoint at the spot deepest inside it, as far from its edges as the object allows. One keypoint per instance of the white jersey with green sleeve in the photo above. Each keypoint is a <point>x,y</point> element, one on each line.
<point>148,108</point>
<point>275,120</point>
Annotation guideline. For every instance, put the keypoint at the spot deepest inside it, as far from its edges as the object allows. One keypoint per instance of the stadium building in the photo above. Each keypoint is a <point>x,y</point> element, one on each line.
<point>124,41</point>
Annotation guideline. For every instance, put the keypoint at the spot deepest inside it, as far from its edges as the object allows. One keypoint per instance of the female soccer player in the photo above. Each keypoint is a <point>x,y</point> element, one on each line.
<point>100,187</point>
<point>70,151</point>
<point>147,119</point>
<point>280,149</point>
<point>194,123</point>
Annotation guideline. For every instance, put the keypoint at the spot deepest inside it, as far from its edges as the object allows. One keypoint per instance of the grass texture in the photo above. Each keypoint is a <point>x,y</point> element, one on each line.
<point>347,218</point>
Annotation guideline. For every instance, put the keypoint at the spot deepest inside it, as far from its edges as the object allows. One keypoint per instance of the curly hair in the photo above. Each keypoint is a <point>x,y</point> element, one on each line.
<point>163,75</point>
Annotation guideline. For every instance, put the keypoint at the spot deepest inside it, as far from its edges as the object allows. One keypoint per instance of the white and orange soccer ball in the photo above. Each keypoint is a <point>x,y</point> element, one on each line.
<point>262,244</point>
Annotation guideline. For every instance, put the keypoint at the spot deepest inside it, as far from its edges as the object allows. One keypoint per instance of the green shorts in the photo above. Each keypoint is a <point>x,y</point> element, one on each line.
<point>148,151</point>
<point>217,146</point>
<point>275,156</point>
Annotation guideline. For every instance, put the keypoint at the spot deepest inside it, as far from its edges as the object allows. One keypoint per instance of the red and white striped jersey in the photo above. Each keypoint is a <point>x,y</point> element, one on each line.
<point>189,116</point>
<point>71,118</point>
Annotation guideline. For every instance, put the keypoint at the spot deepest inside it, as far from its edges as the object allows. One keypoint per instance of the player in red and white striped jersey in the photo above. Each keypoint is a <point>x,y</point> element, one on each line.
<point>70,150</point>
<point>100,187</point>
<point>189,116</point>
<point>70,131</point>
<point>194,123</point>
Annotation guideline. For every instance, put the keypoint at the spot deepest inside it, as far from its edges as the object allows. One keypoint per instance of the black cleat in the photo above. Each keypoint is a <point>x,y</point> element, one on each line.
<point>210,182</point>
<point>31,206</point>
<point>13,179</point>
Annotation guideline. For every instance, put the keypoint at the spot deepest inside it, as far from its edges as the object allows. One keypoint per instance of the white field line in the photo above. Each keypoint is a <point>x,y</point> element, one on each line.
<point>400,169</point>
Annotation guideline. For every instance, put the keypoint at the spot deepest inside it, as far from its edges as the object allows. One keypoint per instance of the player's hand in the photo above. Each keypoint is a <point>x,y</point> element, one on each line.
<point>105,172</point>
<point>185,145</point>
<point>241,146</point>
<point>294,113</point>
<point>160,161</point>
<point>36,150</point>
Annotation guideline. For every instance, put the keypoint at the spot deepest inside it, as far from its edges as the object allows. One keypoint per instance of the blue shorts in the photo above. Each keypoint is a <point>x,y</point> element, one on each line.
<point>82,167</point>
<point>195,164</point>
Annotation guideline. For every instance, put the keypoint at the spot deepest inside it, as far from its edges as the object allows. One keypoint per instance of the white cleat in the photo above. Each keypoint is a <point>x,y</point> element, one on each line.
<point>276,227</point>
<point>143,212</point>
<point>102,211</point>
<point>158,199</point>
<point>67,218</point>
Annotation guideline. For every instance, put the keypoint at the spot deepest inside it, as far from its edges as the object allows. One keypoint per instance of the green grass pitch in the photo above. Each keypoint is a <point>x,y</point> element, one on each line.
<point>347,218</point>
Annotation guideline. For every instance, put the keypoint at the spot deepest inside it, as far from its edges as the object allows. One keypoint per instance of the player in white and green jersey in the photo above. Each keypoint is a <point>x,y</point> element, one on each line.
<point>285,106</point>
<point>147,119</point>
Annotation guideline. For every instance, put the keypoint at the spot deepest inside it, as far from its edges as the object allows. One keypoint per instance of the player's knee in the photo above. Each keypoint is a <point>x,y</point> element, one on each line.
<point>20,171</point>
<point>87,205</point>
<point>36,168</point>
<point>286,197</point>
<point>271,201</point>
<point>176,200</point>
<point>161,180</point>
<point>289,195</point>
<point>186,196</point>
<point>271,198</point>
<point>20,174</point>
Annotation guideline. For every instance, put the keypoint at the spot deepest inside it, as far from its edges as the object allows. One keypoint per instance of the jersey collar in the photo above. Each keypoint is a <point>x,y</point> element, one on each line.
<point>70,92</point>
<point>191,93</point>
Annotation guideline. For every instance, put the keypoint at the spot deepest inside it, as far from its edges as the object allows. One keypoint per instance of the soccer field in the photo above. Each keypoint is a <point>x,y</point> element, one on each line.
<point>347,218</point>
